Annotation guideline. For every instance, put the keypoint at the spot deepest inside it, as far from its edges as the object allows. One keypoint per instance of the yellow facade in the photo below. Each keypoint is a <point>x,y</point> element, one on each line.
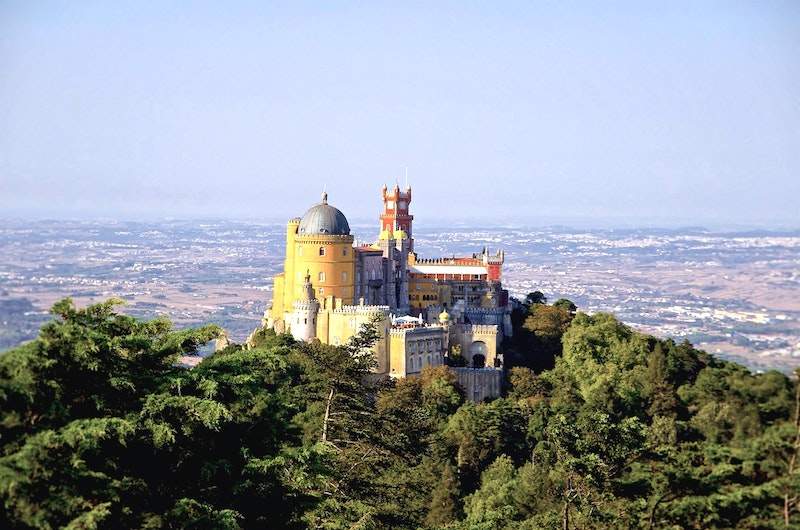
<point>330,262</point>
<point>415,348</point>
<point>397,354</point>
<point>338,323</point>
<point>328,259</point>
<point>426,292</point>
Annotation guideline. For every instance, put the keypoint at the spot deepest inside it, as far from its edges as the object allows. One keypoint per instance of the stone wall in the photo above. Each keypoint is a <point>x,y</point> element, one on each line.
<point>479,384</point>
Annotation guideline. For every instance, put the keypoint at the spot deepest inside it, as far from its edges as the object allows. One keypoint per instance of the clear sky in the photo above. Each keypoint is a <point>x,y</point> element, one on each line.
<point>655,112</point>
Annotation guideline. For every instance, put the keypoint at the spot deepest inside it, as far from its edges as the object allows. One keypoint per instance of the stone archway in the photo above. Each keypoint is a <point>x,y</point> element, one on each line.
<point>477,354</point>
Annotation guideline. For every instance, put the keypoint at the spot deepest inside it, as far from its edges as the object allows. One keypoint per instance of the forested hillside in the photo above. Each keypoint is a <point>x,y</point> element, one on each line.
<point>601,427</point>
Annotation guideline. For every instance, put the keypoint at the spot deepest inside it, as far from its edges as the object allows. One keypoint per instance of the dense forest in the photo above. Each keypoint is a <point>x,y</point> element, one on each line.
<point>599,427</point>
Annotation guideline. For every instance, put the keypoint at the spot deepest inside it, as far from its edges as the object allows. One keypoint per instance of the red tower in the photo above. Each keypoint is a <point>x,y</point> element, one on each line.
<point>395,214</point>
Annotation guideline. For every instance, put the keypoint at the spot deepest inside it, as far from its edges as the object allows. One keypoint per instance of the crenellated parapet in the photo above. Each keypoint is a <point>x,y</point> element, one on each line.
<point>474,310</point>
<point>450,261</point>
<point>402,331</point>
<point>306,305</point>
<point>478,329</point>
<point>362,309</point>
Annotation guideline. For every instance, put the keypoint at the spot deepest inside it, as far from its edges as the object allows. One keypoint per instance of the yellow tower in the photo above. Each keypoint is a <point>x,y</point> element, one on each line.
<point>324,250</point>
<point>289,280</point>
<point>318,245</point>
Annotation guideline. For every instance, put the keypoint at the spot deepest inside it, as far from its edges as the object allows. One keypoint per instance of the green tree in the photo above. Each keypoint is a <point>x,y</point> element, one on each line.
<point>537,341</point>
<point>624,431</point>
<point>536,297</point>
<point>565,304</point>
<point>493,504</point>
<point>445,499</point>
<point>525,384</point>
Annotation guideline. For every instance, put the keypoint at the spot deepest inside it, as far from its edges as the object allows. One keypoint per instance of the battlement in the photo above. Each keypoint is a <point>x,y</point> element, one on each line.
<point>470,262</point>
<point>406,329</point>
<point>484,310</point>
<point>305,305</point>
<point>479,329</point>
<point>362,309</point>
<point>396,193</point>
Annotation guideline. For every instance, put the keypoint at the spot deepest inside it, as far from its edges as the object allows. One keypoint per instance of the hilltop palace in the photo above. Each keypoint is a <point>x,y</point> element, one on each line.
<point>425,309</point>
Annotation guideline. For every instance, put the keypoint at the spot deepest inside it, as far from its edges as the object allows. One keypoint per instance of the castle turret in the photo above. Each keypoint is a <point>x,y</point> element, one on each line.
<point>444,321</point>
<point>303,319</point>
<point>395,215</point>
<point>494,264</point>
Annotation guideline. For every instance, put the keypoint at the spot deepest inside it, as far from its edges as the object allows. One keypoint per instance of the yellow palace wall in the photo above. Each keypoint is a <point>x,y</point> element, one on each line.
<point>330,255</point>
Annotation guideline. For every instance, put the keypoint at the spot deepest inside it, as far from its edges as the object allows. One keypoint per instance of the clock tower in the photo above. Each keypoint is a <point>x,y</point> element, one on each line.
<point>395,214</point>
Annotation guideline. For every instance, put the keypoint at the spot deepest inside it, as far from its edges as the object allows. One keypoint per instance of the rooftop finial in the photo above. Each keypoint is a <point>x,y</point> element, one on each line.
<point>324,197</point>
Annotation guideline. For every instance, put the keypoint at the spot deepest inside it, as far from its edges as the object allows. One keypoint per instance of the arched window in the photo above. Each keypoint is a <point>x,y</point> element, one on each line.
<point>321,276</point>
<point>344,251</point>
<point>321,251</point>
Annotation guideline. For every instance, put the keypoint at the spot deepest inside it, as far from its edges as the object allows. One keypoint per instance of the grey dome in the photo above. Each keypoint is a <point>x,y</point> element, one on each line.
<point>323,218</point>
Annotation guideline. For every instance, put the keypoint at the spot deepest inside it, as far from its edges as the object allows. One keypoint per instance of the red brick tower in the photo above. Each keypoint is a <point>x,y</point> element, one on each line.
<point>395,214</point>
<point>494,265</point>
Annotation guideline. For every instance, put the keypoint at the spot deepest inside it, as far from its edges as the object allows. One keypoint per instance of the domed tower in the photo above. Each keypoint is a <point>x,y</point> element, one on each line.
<point>323,249</point>
<point>444,321</point>
<point>303,319</point>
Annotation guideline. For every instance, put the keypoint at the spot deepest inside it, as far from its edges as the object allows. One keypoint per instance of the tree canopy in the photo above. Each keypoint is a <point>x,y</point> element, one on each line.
<point>100,427</point>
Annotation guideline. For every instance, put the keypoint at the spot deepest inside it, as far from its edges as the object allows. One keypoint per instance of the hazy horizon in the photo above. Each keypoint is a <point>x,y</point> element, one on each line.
<point>360,223</point>
<point>577,114</point>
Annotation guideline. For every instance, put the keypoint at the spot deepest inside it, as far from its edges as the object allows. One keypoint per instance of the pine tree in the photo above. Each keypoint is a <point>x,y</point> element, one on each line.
<point>444,499</point>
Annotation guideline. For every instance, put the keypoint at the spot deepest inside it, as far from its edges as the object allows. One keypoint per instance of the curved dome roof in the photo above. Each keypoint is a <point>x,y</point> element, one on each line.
<point>323,218</point>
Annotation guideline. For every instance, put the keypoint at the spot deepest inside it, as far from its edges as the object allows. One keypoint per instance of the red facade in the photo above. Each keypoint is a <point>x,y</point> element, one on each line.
<point>493,270</point>
<point>395,216</point>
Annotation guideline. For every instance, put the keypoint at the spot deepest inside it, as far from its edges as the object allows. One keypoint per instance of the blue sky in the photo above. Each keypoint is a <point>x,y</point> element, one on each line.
<point>637,112</point>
